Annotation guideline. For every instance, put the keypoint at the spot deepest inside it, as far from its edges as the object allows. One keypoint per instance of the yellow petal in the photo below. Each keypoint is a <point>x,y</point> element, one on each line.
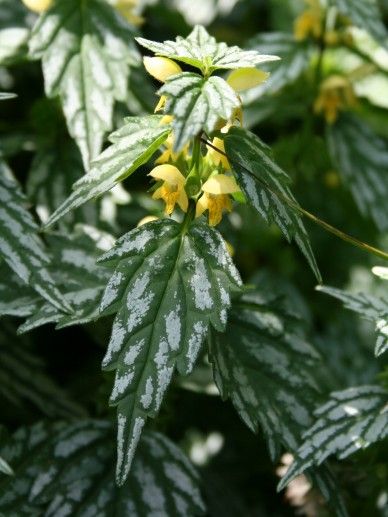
<point>183,200</point>
<point>160,104</point>
<point>161,67</point>
<point>38,6</point>
<point>245,78</point>
<point>216,157</point>
<point>147,219</point>
<point>168,173</point>
<point>202,205</point>
<point>220,184</point>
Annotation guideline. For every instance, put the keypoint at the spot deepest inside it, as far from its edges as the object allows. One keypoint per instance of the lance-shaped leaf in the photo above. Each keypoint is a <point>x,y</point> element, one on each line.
<point>66,469</point>
<point>361,157</point>
<point>202,51</point>
<point>265,366</point>
<point>295,58</point>
<point>371,308</point>
<point>367,16</point>
<point>16,299</point>
<point>23,378</point>
<point>266,187</point>
<point>86,50</point>
<point>350,421</point>
<point>5,468</point>
<point>5,96</point>
<point>197,104</point>
<point>132,145</point>
<point>55,167</point>
<point>20,245</point>
<point>170,283</point>
<point>80,278</point>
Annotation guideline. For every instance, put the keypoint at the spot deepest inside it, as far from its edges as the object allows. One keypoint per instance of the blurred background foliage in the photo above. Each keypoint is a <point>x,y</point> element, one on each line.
<point>239,478</point>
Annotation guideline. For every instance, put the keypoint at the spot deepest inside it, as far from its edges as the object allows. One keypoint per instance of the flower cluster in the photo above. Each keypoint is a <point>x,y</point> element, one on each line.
<point>214,183</point>
<point>335,94</point>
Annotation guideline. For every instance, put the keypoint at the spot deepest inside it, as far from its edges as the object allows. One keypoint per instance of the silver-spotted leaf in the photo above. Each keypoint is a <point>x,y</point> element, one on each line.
<point>371,308</point>
<point>78,275</point>
<point>366,15</point>
<point>16,299</point>
<point>197,104</point>
<point>132,145</point>
<point>20,245</point>
<point>266,187</point>
<point>66,469</point>
<point>86,50</point>
<point>202,51</point>
<point>351,420</point>
<point>361,158</point>
<point>23,378</point>
<point>169,284</point>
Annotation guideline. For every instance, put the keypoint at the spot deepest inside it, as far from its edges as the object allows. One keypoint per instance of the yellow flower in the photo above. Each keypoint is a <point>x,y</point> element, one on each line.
<point>215,197</point>
<point>126,9</point>
<point>217,158</point>
<point>38,6</point>
<point>246,78</point>
<point>172,190</point>
<point>335,94</point>
<point>310,22</point>
<point>161,67</point>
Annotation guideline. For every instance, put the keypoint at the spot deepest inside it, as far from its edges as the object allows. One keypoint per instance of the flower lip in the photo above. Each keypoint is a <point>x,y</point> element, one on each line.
<point>168,173</point>
<point>220,184</point>
<point>245,78</point>
<point>161,67</point>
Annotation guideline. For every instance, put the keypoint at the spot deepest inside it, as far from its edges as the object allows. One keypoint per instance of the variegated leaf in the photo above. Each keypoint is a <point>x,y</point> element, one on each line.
<point>86,50</point>
<point>350,421</point>
<point>16,299</point>
<point>295,58</point>
<point>361,157</point>
<point>197,104</point>
<point>13,45</point>
<point>202,51</point>
<point>80,278</point>
<point>265,186</point>
<point>5,96</point>
<point>5,468</point>
<point>20,245</point>
<point>132,145</point>
<point>170,283</point>
<point>23,379</point>
<point>366,15</point>
<point>371,308</point>
<point>66,469</point>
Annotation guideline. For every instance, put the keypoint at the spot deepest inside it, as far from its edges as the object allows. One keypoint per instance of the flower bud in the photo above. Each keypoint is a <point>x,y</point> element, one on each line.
<point>161,67</point>
<point>38,6</point>
<point>246,78</point>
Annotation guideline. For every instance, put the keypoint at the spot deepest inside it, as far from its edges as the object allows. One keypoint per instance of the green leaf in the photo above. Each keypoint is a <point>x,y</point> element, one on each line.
<point>351,420</point>
<point>202,51</point>
<point>5,468</point>
<point>267,370</point>
<point>80,278</point>
<point>133,145</point>
<point>86,50</point>
<point>295,59</point>
<point>361,157</point>
<point>20,246</point>
<point>365,15</point>
<point>371,308</point>
<point>66,469</point>
<point>16,299</point>
<point>265,186</point>
<point>263,363</point>
<point>55,167</point>
<point>169,285</point>
<point>23,378</point>
<point>197,104</point>
<point>5,96</point>
<point>13,45</point>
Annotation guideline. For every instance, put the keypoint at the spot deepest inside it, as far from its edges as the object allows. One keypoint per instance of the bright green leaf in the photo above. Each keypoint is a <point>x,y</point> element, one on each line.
<point>86,50</point>
<point>168,286</point>
<point>132,145</point>
<point>265,186</point>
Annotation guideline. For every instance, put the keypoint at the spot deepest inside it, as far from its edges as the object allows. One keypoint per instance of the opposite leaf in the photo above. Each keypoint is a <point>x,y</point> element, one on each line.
<point>20,245</point>
<point>202,51</point>
<point>133,145</point>
<point>350,421</point>
<point>169,285</point>
<point>361,157</point>
<point>86,52</point>
<point>265,186</point>
<point>66,469</point>
<point>197,104</point>
<point>371,308</point>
